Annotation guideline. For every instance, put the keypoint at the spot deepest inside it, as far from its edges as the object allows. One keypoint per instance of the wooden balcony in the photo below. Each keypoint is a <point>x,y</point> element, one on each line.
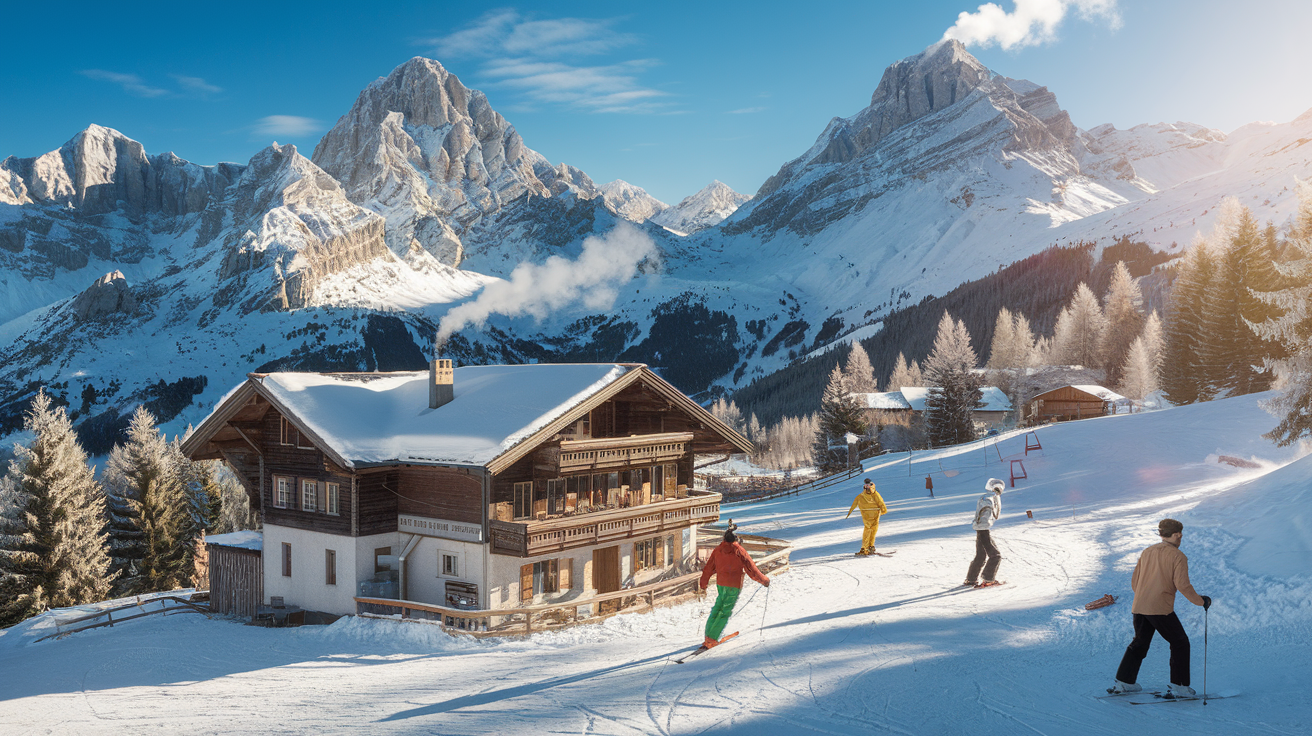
<point>615,453</point>
<point>533,538</point>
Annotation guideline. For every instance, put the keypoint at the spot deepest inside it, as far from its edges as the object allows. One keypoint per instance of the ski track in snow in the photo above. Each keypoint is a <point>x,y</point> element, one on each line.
<point>837,645</point>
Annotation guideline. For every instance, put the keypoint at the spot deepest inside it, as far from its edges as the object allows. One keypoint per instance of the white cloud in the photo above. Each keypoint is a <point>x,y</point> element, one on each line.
<point>131,83</point>
<point>527,55</point>
<point>1032,22</point>
<point>293,125</point>
<point>196,85</point>
<point>748,110</point>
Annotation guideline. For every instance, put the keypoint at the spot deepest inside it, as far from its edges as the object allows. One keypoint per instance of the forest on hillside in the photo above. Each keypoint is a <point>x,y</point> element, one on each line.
<point>1038,287</point>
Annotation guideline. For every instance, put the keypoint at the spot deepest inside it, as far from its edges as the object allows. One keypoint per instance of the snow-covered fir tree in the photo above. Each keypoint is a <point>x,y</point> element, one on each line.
<point>905,374</point>
<point>148,511</point>
<point>1230,353</point>
<point>954,392</point>
<point>234,504</point>
<point>1004,341</point>
<point>839,416</point>
<point>1077,338</point>
<point>1139,374</point>
<point>859,373</point>
<point>728,412</point>
<point>1124,321</point>
<point>1292,329</point>
<point>1181,377</point>
<point>53,550</point>
<point>788,444</point>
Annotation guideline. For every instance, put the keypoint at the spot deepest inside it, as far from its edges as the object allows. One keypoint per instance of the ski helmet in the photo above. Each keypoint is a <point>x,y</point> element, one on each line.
<point>995,484</point>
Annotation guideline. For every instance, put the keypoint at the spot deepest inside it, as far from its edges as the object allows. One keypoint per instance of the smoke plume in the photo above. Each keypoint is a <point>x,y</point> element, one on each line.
<point>605,264</point>
<point>1032,22</point>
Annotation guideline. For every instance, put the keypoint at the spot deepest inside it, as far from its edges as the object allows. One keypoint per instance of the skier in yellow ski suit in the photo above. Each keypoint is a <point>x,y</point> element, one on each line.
<point>872,507</point>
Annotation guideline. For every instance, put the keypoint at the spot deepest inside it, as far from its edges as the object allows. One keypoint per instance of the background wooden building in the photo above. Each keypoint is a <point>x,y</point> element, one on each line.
<point>1072,402</point>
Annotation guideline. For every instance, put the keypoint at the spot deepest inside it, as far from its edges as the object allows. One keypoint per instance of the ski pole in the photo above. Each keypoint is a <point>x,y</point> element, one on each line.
<point>1205,655</point>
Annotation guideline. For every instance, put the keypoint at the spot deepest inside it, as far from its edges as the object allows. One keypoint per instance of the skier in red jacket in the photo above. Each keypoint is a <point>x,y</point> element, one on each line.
<point>727,563</point>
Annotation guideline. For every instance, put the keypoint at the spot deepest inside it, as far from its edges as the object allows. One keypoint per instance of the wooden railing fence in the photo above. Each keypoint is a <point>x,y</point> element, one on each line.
<point>106,617</point>
<point>527,619</point>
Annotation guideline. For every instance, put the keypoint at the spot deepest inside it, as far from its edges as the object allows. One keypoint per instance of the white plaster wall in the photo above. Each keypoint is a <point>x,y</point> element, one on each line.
<point>307,587</point>
<point>424,580</point>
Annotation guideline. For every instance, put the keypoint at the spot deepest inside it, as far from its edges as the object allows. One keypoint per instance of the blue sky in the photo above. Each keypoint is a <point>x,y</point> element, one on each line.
<point>667,96</point>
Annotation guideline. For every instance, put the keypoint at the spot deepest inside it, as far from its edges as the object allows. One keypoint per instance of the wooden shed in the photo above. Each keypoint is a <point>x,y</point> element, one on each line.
<point>1071,402</point>
<point>236,569</point>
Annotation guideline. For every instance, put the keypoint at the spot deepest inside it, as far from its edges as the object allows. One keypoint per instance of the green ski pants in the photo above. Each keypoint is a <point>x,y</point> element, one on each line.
<point>725,598</point>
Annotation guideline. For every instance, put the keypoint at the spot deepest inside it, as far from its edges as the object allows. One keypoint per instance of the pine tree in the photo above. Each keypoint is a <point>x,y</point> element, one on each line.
<point>839,416</point>
<point>1124,321</point>
<point>954,393</point>
<point>52,527</point>
<point>1078,334</point>
<point>859,373</point>
<point>1181,364</point>
<point>905,374</point>
<point>148,511</point>
<point>1023,347</point>
<point>1138,375</point>
<point>728,412</point>
<point>1291,327</point>
<point>1001,352</point>
<point>234,504</point>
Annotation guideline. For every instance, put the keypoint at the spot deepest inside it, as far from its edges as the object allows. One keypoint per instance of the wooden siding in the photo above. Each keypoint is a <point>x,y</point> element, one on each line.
<point>533,538</point>
<point>1066,402</point>
<point>236,580</point>
<point>301,464</point>
<point>441,493</point>
<point>379,502</point>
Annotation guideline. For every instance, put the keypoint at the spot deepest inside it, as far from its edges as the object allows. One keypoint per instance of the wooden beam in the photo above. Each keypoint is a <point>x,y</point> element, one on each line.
<point>257,450</point>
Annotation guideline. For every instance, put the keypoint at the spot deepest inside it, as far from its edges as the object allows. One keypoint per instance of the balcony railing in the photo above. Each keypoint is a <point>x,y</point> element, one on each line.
<point>618,452</point>
<point>529,539</point>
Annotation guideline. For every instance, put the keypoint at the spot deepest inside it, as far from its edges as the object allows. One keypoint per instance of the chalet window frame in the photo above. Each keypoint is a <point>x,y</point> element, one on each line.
<point>522,507</point>
<point>649,553</point>
<point>286,559</point>
<point>546,576</point>
<point>303,443</point>
<point>556,496</point>
<point>284,490</point>
<point>448,564</point>
<point>330,567</point>
<point>285,428</point>
<point>670,478</point>
<point>309,495</point>
<point>332,505</point>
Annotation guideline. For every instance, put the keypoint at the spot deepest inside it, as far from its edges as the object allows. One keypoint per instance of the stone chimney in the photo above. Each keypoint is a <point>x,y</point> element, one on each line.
<point>441,382</point>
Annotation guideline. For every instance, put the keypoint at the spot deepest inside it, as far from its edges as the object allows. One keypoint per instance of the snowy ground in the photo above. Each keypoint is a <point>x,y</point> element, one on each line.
<point>839,645</point>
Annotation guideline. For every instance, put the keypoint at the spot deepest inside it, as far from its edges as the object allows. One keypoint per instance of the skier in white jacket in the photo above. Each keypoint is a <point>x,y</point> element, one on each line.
<point>987,511</point>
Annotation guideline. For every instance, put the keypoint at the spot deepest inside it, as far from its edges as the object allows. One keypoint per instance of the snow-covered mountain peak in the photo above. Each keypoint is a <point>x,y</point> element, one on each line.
<point>631,202</point>
<point>707,208</point>
<point>929,81</point>
<point>435,159</point>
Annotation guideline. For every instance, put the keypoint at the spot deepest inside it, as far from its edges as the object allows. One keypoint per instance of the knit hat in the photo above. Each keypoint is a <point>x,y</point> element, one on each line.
<point>1168,527</point>
<point>729,536</point>
<point>995,484</point>
<point>870,482</point>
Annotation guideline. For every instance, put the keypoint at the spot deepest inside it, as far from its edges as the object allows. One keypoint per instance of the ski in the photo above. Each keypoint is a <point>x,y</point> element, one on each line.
<point>990,584</point>
<point>703,649</point>
<point>1140,693</point>
<point>885,554</point>
<point>1165,698</point>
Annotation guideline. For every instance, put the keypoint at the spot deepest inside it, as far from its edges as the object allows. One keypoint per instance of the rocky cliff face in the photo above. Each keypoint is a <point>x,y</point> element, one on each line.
<point>110,294</point>
<point>434,158</point>
<point>101,170</point>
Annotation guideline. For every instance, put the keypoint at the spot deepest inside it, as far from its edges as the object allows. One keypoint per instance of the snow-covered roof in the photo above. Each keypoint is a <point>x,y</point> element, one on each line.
<point>882,400</point>
<point>913,398</point>
<point>1105,394</point>
<point>241,540</point>
<point>384,417</point>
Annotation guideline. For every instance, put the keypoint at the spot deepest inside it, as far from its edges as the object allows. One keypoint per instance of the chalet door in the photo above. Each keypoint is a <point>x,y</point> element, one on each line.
<point>606,569</point>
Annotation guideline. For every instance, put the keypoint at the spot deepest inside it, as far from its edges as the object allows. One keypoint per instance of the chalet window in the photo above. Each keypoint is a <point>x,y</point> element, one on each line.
<point>648,553</point>
<point>449,564</point>
<point>303,442</point>
<point>282,491</point>
<point>286,560</point>
<point>381,565</point>
<point>334,493</point>
<point>556,496</point>
<point>671,478</point>
<point>330,567</point>
<point>309,495</point>
<point>523,500</point>
<point>286,432</point>
<point>545,577</point>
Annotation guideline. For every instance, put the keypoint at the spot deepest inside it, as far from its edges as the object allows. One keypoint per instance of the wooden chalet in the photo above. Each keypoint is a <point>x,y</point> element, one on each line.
<point>1072,402</point>
<point>482,487</point>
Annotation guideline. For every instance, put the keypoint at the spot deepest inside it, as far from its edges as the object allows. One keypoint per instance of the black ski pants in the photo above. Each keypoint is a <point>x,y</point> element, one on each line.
<point>1172,631</point>
<point>984,547</point>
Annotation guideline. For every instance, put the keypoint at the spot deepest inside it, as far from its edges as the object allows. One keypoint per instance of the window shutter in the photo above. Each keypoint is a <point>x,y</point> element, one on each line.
<point>526,584</point>
<point>567,573</point>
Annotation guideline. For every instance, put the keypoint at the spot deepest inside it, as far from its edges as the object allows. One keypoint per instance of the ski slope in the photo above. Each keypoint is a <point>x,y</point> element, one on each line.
<point>838,645</point>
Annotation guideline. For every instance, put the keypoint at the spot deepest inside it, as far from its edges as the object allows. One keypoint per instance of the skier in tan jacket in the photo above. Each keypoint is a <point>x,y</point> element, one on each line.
<point>1162,570</point>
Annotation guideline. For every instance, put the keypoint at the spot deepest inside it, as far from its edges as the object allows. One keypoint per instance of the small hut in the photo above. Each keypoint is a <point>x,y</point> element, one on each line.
<point>1072,402</point>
